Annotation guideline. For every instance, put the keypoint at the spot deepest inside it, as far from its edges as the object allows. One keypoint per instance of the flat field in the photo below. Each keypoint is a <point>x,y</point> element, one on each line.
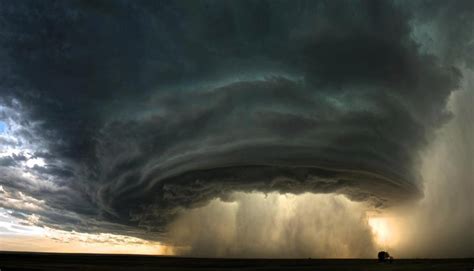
<point>11,261</point>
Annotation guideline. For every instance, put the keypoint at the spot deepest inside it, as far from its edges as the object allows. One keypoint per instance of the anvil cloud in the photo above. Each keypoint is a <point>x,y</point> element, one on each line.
<point>134,110</point>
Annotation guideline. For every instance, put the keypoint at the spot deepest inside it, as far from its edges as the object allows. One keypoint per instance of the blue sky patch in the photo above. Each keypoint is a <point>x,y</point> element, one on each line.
<point>3,127</point>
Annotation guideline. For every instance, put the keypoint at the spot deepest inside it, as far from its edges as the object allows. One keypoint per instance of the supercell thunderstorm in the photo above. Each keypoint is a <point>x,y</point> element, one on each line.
<point>117,115</point>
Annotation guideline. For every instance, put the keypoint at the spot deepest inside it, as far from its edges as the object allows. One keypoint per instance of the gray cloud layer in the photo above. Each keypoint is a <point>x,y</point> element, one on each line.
<point>142,108</point>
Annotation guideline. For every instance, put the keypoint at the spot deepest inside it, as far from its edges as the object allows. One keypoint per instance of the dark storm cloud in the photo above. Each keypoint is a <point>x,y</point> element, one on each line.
<point>452,26</point>
<point>11,160</point>
<point>147,107</point>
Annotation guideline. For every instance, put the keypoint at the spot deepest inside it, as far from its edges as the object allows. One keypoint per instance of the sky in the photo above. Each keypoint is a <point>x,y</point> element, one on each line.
<point>237,129</point>
<point>3,127</point>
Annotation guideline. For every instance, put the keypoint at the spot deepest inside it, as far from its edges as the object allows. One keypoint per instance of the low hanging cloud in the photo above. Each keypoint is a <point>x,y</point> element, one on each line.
<point>138,110</point>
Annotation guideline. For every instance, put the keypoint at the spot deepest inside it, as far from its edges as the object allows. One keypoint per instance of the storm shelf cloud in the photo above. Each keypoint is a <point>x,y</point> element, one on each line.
<point>116,115</point>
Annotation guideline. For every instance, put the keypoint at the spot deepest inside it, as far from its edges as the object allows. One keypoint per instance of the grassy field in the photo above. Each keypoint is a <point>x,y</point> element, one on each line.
<point>10,261</point>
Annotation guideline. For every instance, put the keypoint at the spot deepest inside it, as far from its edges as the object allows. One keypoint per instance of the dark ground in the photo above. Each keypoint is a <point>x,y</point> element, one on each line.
<point>51,261</point>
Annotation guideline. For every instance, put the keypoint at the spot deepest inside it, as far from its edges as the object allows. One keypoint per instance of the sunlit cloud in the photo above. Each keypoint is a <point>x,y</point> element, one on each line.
<point>25,235</point>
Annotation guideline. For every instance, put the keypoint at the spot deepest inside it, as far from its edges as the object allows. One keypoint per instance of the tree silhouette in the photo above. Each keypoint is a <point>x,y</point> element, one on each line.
<point>383,256</point>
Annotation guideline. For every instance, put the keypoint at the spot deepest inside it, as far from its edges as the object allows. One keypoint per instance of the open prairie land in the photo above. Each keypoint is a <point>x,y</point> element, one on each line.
<point>11,261</point>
